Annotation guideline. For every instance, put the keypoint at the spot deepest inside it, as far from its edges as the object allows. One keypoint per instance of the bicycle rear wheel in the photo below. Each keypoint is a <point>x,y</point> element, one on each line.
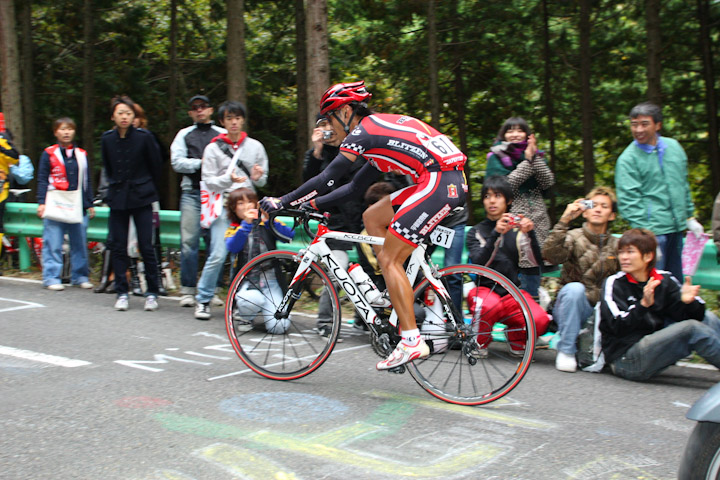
<point>279,347</point>
<point>487,355</point>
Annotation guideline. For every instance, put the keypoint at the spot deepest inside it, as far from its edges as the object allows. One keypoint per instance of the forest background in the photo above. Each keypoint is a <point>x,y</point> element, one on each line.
<point>573,68</point>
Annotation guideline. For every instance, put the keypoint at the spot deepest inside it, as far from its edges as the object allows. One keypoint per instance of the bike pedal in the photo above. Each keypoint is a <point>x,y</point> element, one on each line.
<point>399,369</point>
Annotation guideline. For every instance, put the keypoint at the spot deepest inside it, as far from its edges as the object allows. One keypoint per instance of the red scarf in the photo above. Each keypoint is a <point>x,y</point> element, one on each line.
<point>224,138</point>
<point>58,175</point>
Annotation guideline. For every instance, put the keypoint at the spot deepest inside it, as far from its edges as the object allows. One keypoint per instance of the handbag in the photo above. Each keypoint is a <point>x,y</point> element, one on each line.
<point>211,201</point>
<point>211,204</point>
<point>66,206</point>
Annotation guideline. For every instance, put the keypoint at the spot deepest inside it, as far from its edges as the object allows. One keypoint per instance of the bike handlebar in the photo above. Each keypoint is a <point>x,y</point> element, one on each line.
<point>305,217</point>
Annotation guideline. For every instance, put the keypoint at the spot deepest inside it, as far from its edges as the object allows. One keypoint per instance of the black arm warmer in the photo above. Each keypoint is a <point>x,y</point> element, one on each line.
<point>319,184</point>
<point>356,188</point>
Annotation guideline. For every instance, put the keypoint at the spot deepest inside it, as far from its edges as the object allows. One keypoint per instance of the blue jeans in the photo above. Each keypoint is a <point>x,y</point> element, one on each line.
<point>453,256</point>
<point>571,310</point>
<point>530,283</point>
<point>670,245</point>
<point>190,240</point>
<point>215,261</point>
<point>661,349</point>
<point>53,234</point>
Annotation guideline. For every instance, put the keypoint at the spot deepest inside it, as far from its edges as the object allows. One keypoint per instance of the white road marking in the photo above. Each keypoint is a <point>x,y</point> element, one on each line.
<point>42,357</point>
<point>23,305</point>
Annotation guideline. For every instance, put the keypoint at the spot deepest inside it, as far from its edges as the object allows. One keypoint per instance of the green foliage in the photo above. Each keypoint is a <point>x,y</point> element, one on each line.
<point>494,49</point>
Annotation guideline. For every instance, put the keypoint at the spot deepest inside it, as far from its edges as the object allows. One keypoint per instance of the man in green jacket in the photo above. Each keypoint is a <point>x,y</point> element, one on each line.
<point>652,186</point>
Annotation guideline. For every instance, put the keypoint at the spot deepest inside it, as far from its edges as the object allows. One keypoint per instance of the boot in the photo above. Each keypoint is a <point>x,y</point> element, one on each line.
<point>105,273</point>
<point>134,279</point>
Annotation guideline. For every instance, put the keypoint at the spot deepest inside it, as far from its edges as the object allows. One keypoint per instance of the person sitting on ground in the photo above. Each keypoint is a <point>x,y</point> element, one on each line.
<point>65,166</point>
<point>648,321</point>
<point>588,257</point>
<point>248,236</point>
<point>496,243</point>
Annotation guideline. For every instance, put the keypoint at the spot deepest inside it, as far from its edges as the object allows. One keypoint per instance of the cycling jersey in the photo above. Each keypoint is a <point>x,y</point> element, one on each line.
<point>401,143</point>
<point>395,143</point>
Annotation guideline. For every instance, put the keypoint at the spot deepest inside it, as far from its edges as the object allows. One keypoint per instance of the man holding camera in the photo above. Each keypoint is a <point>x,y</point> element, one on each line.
<point>588,256</point>
<point>346,217</point>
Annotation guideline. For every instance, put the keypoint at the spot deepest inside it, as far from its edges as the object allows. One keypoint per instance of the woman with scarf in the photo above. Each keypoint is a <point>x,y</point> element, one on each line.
<point>515,155</point>
<point>64,166</point>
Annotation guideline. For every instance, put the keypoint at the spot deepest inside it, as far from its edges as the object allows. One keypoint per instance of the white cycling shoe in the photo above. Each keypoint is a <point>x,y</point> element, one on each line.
<point>404,353</point>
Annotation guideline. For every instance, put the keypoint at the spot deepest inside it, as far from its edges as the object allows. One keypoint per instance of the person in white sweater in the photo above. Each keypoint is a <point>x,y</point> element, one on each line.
<point>232,160</point>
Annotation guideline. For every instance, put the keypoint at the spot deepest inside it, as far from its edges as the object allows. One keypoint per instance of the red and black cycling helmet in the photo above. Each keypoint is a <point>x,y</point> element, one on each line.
<point>343,93</point>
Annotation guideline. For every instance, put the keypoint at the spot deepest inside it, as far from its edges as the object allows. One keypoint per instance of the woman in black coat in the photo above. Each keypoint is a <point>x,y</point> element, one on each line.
<point>132,164</point>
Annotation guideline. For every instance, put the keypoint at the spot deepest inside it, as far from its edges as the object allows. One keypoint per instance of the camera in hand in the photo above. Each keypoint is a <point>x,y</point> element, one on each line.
<point>327,134</point>
<point>514,221</point>
<point>587,204</point>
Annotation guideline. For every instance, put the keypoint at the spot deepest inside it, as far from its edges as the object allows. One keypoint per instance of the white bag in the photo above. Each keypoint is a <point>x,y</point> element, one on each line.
<point>64,206</point>
<point>211,204</point>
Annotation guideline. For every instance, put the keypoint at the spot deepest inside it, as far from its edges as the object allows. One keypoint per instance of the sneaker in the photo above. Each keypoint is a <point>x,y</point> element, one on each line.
<point>122,303</point>
<point>217,301</point>
<point>481,352</point>
<point>85,285</point>
<point>187,301</point>
<point>151,303</point>
<point>325,330</point>
<point>404,353</point>
<point>360,325</point>
<point>57,287</point>
<point>565,362</point>
<point>202,311</point>
<point>241,324</point>
<point>517,353</point>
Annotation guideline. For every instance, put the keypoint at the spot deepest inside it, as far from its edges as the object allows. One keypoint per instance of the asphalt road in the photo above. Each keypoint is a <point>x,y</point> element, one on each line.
<point>90,393</point>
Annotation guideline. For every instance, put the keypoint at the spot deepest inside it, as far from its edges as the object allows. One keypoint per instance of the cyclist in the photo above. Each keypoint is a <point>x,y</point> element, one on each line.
<point>389,143</point>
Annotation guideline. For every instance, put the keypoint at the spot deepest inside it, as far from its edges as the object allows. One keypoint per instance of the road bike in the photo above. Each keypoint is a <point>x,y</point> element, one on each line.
<point>476,358</point>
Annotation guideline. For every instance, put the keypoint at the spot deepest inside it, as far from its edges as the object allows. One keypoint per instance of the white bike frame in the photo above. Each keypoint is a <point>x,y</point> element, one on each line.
<point>318,250</point>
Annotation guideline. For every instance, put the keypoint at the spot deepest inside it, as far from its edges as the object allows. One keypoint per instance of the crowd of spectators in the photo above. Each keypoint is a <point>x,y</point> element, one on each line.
<point>649,314</point>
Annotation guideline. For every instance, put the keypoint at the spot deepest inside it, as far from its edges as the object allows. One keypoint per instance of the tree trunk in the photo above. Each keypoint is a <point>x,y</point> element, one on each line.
<point>654,45</point>
<point>318,66</point>
<point>171,197</point>
<point>711,107</point>
<point>460,98</point>
<point>433,66</point>
<point>586,96</point>
<point>10,68</point>
<point>548,99</point>
<point>87,134</point>
<point>28,98</point>
<point>303,129</point>
<point>236,80</point>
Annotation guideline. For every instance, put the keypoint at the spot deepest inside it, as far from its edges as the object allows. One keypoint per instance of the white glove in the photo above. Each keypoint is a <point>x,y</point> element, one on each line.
<point>695,227</point>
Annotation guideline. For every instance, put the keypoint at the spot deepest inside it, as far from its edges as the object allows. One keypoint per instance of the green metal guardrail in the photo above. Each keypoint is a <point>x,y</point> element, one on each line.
<point>21,220</point>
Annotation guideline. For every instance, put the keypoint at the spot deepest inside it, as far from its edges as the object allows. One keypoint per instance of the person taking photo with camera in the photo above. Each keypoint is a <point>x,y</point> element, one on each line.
<point>588,255</point>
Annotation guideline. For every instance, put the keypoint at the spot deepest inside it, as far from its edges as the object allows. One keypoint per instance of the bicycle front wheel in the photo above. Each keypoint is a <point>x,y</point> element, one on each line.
<point>490,349</point>
<point>277,345</point>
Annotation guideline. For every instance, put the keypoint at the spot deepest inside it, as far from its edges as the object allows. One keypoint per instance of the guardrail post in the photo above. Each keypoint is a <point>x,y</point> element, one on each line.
<point>24,254</point>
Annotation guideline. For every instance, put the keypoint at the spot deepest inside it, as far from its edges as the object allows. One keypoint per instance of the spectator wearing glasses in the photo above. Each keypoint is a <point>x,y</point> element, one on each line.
<point>186,154</point>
